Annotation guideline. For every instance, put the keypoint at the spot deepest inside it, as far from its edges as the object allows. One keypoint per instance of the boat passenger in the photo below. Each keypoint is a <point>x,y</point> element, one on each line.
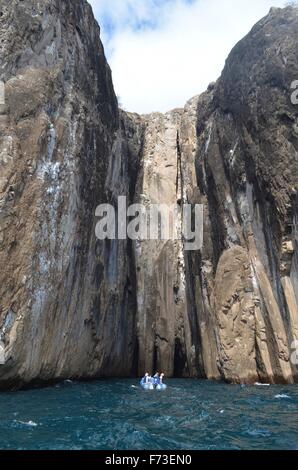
<point>156,379</point>
<point>146,379</point>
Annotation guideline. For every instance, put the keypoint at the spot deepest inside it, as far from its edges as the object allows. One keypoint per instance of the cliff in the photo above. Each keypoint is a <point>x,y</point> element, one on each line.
<point>246,170</point>
<point>65,298</point>
<point>72,306</point>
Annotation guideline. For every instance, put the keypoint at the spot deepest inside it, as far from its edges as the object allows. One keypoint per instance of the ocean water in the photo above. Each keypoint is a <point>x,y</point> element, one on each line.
<point>119,415</point>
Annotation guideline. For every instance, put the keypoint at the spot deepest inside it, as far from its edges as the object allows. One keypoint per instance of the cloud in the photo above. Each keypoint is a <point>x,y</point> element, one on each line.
<point>132,14</point>
<point>163,52</point>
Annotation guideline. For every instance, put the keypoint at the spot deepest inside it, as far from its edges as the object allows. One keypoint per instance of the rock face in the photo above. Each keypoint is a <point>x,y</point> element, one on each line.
<point>72,306</point>
<point>65,297</point>
<point>248,173</point>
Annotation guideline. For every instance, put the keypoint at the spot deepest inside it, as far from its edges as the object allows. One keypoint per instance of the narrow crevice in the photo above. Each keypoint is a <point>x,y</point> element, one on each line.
<point>179,177</point>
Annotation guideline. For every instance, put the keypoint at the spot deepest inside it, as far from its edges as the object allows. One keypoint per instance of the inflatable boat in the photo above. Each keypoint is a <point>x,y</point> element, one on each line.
<point>161,387</point>
<point>146,386</point>
<point>151,386</point>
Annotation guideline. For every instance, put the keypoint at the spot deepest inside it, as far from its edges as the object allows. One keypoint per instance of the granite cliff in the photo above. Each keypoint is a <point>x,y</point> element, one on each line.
<point>72,306</point>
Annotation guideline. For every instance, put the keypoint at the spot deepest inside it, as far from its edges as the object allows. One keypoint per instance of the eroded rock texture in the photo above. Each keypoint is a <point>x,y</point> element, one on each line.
<point>164,328</point>
<point>74,306</point>
<point>65,297</point>
<point>247,174</point>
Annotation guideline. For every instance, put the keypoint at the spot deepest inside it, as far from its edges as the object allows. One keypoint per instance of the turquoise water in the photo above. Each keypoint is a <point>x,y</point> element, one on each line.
<point>118,415</point>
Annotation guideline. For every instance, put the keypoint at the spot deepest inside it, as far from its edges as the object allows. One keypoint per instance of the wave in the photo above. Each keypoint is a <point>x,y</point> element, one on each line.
<point>27,423</point>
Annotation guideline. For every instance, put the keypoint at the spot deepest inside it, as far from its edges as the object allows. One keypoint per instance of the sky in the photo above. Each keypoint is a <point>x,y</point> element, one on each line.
<point>163,52</point>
